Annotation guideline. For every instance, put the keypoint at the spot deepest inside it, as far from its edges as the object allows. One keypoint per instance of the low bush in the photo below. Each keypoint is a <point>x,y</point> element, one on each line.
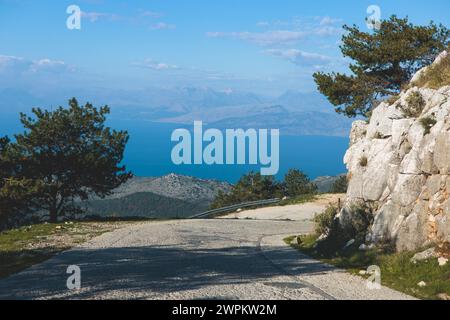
<point>361,220</point>
<point>337,233</point>
<point>363,161</point>
<point>427,123</point>
<point>415,106</point>
<point>325,221</point>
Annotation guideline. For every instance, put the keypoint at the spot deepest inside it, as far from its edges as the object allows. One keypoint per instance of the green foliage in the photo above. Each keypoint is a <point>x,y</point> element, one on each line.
<point>383,62</point>
<point>427,123</point>
<point>359,224</point>
<point>251,187</point>
<point>15,191</point>
<point>397,270</point>
<point>340,185</point>
<point>415,106</point>
<point>66,155</point>
<point>436,75</point>
<point>254,186</point>
<point>326,221</point>
<point>297,183</point>
<point>339,233</point>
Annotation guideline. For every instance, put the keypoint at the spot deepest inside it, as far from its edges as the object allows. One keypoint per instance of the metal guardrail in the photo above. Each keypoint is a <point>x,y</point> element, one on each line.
<point>215,212</point>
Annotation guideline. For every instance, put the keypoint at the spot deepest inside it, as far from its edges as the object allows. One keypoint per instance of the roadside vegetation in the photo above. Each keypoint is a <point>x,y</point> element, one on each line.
<point>61,158</point>
<point>304,198</point>
<point>295,188</point>
<point>23,247</point>
<point>344,248</point>
<point>378,77</point>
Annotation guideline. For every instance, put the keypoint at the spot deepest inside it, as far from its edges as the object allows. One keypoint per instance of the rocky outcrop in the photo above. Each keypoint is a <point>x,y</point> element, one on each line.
<point>399,165</point>
<point>175,186</point>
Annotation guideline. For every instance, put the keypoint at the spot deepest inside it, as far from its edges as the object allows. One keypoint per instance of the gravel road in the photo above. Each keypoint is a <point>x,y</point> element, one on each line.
<point>297,212</point>
<point>199,259</point>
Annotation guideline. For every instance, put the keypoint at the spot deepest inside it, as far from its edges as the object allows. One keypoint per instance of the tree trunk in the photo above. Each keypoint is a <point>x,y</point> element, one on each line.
<point>53,215</point>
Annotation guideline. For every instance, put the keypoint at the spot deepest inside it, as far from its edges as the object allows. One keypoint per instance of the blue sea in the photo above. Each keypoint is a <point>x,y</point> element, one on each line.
<point>149,152</point>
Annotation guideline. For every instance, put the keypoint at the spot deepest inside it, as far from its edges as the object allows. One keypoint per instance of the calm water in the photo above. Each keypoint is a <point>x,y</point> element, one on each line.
<point>149,149</point>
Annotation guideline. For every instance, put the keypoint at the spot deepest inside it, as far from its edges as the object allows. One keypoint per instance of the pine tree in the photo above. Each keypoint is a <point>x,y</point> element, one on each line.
<point>69,154</point>
<point>382,63</point>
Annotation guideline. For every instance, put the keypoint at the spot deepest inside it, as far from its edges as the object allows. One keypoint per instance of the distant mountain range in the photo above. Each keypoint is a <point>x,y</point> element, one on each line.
<point>170,196</point>
<point>294,113</point>
<point>325,183</point>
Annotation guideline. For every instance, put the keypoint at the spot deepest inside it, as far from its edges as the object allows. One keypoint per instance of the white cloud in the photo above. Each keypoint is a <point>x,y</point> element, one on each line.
<point>96,16</point>
<point>139,18</point>
<point>262,38</point>
<point>154,65</point>
<point>327,30</point>
<point>163,26</point>
<point>287,32</point>
<point>49,65</point>
<point>262,24</point>
<point>326,21</point>
<point>151,14</point>
<point>301,57</point>
<point>10,61</point>
<point>19,65</point>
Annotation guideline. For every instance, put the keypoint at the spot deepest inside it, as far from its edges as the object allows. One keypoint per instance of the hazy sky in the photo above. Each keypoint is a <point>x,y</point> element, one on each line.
<point>264,46</point>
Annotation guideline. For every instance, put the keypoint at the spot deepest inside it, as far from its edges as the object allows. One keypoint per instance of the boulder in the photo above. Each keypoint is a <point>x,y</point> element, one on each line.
<point>442,261</point>
<point>424,255</point>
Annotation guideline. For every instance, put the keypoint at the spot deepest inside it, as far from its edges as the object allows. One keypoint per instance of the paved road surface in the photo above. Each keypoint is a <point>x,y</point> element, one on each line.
<point>200,259</point>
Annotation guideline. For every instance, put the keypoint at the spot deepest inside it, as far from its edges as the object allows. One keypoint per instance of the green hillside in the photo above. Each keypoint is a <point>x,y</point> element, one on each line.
<point>144,204</point>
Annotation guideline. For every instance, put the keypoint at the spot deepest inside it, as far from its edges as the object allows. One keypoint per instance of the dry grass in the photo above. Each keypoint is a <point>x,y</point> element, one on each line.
<point>436,76</point>
<point>26,246</point>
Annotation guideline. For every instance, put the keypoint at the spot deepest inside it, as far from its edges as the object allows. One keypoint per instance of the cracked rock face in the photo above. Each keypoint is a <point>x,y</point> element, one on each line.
<point>403,171</point>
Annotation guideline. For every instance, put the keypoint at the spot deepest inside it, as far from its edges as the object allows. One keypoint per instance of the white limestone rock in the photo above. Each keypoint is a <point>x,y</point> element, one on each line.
<point>407,174</point>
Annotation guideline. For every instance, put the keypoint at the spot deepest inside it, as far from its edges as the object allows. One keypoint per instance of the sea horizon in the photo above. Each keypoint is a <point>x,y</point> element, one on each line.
<point>148,153</point>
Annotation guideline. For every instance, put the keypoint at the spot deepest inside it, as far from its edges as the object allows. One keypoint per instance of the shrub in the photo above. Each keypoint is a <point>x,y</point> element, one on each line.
<point>325,221</point>
<point>378,135</point>
<point>338,234</point>
<point>361,220</point>
<point>427,123</point>
<point>416,103</point>
<point>363,161</point>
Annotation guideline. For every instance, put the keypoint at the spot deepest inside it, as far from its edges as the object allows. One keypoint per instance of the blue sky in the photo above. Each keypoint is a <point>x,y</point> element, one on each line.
<point>263,46</point>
